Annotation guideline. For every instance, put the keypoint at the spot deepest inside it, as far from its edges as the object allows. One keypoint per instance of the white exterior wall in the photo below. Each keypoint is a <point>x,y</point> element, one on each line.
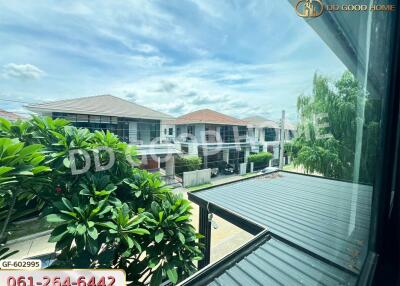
<point>196,178</point>
<point>164,132</point>
<point>199,130</point>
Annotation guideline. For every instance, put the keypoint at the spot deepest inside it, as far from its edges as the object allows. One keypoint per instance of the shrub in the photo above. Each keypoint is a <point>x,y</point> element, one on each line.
<point>260,160</point>
<point>121,217</point>
<point>186,164</point>
<point>21,168</point>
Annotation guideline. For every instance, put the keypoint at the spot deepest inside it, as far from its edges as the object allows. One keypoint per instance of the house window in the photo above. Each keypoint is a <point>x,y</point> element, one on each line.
<point>269,134</point>
<point>82,118</point>
<point>105,119</point>
<point>190,130</point>
<point>114,120</point>
<point>171,131</point>
<point>94,118</point>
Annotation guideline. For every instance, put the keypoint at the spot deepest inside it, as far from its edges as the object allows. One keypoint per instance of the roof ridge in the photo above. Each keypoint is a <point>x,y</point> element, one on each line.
<point>203,112</point>
<point>101,97</point>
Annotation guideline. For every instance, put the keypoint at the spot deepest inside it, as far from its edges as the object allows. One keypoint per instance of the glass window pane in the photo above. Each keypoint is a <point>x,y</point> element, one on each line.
<point>94,118</point>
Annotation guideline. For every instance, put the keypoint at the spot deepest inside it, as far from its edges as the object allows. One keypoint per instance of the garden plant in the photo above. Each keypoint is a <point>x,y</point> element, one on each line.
<point>118,217</point>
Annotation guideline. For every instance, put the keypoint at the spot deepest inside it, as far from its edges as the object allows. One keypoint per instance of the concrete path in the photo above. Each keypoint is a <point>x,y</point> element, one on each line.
<point>32,247</point>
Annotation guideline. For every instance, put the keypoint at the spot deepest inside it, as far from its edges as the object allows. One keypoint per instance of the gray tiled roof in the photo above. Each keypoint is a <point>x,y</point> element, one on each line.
<point>107,105</point>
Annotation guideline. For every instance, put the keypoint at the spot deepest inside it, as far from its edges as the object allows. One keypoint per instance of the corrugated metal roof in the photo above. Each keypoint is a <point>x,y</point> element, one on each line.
<point>327,217</point>
<point>276,263</point>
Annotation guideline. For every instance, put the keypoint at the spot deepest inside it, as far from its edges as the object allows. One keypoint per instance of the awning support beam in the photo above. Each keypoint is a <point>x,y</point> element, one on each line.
<point>205,229</point>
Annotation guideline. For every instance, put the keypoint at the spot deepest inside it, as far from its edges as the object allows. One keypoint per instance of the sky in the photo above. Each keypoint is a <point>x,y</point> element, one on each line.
<point>242,58</point>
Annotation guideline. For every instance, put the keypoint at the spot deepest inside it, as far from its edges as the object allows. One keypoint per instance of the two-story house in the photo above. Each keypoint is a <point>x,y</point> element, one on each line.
<point>213,136</point>
<point>151,131</point>
<point>265,134</point>
<point>10,116</point>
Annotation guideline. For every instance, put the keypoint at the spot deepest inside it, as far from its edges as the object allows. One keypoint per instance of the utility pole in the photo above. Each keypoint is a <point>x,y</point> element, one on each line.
<point>282,140</point>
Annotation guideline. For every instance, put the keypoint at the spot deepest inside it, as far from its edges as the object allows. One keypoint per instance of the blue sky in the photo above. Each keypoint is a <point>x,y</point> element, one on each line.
<point>238,57</point>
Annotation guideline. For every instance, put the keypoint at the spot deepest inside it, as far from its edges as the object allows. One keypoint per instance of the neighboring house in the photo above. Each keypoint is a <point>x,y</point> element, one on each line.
<point>264,134</point>
<point>133,123</point>
<point>10,116</point>
<point>213,136</point>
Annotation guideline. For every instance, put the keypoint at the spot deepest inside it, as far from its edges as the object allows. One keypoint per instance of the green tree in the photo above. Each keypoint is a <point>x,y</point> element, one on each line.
<point>326,141</point>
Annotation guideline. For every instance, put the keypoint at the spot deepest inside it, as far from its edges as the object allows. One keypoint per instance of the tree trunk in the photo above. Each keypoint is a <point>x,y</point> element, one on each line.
<point>7,220</point>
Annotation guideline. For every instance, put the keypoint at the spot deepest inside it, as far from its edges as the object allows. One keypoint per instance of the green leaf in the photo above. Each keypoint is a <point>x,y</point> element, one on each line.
<point>5,169</point>
<point>81,229</point>
<point>40,169</point>
<point>182,218</point>
<point>85,192</point>
<point>92,231</point>
<point>30,149</point>
<point>181,237</point>
<point>137,245</point>
<point>156,278</point>
<point>160,216</point>
<point>129,241</point>
<point>140,231</point>
<point>153,262</point>
<point>159,235</point>
<point>58,233</point>
<point>108,224</point>
<point>67,163</point>
<point>92,246</point>
<point>102,193</point>
<point>68,204</point>
<point>172,274</point>
<point>56,218</point>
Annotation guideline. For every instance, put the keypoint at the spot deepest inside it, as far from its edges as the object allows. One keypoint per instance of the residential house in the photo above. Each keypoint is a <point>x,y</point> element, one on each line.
<point>133,123</point>
<point>10,116</point>
<point>213,136</point>
<point>264,134</point>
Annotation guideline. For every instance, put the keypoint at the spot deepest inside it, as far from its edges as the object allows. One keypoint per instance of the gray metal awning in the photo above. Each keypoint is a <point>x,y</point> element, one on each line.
<point>269,261</point>
<point>325,219</point>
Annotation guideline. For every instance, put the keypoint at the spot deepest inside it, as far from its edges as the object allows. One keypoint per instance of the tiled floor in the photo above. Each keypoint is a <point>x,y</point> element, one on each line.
<point>32,247</point>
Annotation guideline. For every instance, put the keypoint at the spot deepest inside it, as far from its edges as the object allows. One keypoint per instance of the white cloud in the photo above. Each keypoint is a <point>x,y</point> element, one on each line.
<point>22,71</point>
<point>146,48</point>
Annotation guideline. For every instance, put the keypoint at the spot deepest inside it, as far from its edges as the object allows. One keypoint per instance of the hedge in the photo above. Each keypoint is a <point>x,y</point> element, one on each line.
<point>260,160</point>
<point>186,164</point>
